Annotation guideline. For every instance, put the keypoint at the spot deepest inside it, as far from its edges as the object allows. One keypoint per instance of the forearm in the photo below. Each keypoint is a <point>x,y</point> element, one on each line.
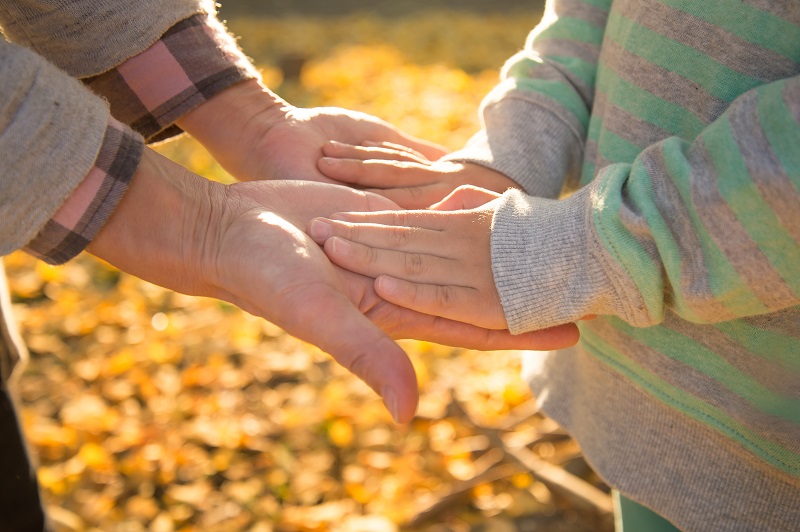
<point>535,122</point>
<point>163,225</point>
<point>706,229</point>
<point>234,122</point>
<point>51,132</point>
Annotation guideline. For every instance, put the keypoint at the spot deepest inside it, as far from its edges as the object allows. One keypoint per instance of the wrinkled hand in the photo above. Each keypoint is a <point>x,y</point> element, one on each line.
<point>265,265</point>
<point>254,134</point>
<point>403,175</point>
<point>432,261</point>
<point>291,148</point>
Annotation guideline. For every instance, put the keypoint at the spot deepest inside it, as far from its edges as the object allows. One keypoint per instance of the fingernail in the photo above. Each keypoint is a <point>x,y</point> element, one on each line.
<point>340,246</point>
<point>319,230</point>
<point>387,285</point>
<point>390,400</point>
<point>331,160</point>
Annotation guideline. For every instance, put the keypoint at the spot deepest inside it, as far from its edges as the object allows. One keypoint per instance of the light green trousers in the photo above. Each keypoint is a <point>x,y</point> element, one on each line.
<point>631,516</point>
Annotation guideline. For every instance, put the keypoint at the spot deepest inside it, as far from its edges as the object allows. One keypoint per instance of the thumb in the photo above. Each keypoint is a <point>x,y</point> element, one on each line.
<point>364,350</point>
<point>465,197</point>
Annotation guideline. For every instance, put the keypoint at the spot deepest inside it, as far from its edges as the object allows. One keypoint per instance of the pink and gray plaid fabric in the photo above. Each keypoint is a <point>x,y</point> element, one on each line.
<point>193,60</point>
<point>79,220</point>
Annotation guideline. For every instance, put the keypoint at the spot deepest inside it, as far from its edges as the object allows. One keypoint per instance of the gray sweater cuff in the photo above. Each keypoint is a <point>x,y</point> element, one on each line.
<point>548,266</point>
<point>527,142</point>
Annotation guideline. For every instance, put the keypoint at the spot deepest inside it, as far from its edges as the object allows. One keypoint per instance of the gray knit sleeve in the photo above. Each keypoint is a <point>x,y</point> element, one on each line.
<point>51,130</point>
<point>89,37</point>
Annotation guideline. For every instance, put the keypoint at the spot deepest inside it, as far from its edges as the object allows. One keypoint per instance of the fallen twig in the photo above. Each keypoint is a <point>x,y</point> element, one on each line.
<point>459,490</point>
<point>579,492</point>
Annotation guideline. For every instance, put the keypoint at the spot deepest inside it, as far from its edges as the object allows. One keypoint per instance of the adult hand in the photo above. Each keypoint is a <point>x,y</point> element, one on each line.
<point>432,261</point>
<point>178,230</point>
<point>405,176</point>
<point>254,134</point>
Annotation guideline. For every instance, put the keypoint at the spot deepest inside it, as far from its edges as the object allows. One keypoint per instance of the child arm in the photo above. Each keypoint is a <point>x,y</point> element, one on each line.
<point>708,229</point>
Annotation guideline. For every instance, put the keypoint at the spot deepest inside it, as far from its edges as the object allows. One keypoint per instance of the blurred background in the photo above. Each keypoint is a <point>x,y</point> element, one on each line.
<point>150,410</point>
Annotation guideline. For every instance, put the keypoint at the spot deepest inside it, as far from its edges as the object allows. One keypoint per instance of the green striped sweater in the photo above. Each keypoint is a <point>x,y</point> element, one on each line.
<point>678,122</point>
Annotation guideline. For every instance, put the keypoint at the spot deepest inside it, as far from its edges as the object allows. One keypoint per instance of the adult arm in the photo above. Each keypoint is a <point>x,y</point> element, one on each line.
<point>168,66</point>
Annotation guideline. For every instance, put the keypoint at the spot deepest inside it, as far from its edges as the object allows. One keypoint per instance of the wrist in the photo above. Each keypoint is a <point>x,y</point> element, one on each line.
<point>232,123</point>
<point>488,178</point>
<point>164,226</point>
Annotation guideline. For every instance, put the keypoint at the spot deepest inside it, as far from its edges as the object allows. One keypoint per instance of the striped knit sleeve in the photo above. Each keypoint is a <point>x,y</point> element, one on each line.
<point>708,229</point>
<point>535,121</point>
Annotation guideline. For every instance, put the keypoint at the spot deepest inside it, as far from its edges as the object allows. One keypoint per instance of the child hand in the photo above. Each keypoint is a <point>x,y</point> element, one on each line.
<point>403,175</point>
<point>435,262</point>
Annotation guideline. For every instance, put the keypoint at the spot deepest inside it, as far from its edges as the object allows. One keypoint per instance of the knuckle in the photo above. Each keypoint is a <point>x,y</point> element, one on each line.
<point>371,256</point>
<point>350,232</point>
<point>415,192</point>
<point>445,296</point>
<point>399,238</point>
<point>414,264</point>
<point>359,364</point>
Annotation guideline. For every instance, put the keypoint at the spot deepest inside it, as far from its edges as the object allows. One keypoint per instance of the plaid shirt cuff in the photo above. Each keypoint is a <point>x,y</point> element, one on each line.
<point>79,220</point>
<point>194,60</point>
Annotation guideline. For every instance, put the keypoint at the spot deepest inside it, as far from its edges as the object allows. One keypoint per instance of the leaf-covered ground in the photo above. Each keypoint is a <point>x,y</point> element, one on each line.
<point>150,410</point>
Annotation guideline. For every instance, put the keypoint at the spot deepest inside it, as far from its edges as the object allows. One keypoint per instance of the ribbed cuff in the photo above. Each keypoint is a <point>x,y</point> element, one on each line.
<point>547,267</point>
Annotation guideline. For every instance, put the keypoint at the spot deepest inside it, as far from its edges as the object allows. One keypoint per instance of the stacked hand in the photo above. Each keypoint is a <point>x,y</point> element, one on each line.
<point>242,243</point>
<point>404,174</point>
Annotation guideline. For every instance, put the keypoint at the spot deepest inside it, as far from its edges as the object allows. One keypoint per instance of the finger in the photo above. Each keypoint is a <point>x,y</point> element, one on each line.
<point>401,322</point>
<point>377,173</point>
<point>358,226</point>
<point>423,219</point>
<point>340,150</point>
<point>465,197</point>
<point>393,146</point>
<point>372,262</point>
<point>459,303</point>
<point>416,197</point>
<point>430,150</point>
<point>363,349</point>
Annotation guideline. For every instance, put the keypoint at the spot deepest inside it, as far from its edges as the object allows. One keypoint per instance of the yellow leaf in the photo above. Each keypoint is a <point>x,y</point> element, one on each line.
<point>340,432</point>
